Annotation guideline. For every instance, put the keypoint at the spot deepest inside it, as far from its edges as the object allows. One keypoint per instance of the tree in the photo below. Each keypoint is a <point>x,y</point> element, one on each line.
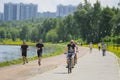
<point>105,26</point>
<point>52,36</point>
<point>35,35</point>
<point>2,33</point>
<point>24,33</point>
<point>116,25</point>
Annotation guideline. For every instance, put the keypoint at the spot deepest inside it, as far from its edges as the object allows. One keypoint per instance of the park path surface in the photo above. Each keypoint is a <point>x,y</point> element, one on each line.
<point>92,66</point>
<point>23,72</point>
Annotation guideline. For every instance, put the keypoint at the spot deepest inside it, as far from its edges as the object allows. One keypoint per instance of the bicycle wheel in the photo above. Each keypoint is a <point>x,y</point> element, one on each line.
<point>69,66</point>
<point>75,60</point>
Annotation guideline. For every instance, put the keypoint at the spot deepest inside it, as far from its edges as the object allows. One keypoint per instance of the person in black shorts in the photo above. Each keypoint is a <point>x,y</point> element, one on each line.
<point>24,48</point>
<point>39,47</point>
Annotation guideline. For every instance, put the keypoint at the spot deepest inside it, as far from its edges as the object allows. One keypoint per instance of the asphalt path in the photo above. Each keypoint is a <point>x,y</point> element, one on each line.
<point>92,66</point>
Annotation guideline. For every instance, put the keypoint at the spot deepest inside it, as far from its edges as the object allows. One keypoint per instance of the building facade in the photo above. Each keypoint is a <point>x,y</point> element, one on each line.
<point>19,11</point>
<point>65,10</point>
<point>25,11</point>
<point>1,16</point>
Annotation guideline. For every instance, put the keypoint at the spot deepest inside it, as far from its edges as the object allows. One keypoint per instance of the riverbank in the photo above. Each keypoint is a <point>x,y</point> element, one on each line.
<point>17,42</point>
<point>58,49</point>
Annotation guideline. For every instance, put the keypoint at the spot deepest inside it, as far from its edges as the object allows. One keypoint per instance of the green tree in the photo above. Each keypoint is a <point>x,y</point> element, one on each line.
<point>24,33</point>
<point>35,34</point>
<point>105,26</point>
<point>52,36</point>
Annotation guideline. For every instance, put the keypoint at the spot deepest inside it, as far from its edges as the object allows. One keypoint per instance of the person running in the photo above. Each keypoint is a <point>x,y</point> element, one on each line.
<point>24,48</point>
<point>91,47</point>
<point>39,47</point>
<point>71,51</point>
<point>104,48</point>
<point>99,46</point>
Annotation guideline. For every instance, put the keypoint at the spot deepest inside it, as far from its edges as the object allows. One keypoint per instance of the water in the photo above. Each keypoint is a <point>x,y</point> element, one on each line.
<point>9,52</point>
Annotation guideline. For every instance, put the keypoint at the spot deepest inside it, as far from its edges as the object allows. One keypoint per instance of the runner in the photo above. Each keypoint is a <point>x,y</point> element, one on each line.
<point>39,47</point>
<point>24,48</point>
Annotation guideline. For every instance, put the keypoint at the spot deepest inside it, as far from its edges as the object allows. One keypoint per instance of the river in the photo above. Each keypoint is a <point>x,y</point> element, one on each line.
<point>10,52</point>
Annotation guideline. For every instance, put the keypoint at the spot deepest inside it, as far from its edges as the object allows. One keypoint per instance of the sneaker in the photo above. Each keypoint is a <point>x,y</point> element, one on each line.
<point>23,63</point>
<point>39,63</point>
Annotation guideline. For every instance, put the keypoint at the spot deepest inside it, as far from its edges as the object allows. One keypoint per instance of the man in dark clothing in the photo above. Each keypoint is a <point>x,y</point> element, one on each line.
<point>24,48</point>
<point>71,51</point>
<point>39,47</point>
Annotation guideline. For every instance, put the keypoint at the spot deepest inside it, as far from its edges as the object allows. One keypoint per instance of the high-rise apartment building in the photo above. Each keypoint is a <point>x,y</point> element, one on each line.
<point>1,16</point>
<point>19,11</point>
<point>10,11</point>
<point>65,10</point>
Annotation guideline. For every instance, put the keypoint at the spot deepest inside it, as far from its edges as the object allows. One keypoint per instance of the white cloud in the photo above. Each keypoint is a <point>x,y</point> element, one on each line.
<point>50,5</point>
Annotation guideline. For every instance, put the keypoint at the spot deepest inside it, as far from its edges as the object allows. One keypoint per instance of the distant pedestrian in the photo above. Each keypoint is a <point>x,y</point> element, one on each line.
<point>104,49</point>
<point>24,48</point>
<point>39,47</point>
<point>80,43</point>
<point>91,45</point>
<point>99,46</point>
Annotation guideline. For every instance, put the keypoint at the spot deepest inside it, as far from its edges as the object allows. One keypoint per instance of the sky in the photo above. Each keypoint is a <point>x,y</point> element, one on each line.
<point>51,5</point>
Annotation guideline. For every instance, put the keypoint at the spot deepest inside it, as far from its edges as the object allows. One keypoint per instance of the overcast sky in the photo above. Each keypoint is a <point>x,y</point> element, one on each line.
<point>50,5</point>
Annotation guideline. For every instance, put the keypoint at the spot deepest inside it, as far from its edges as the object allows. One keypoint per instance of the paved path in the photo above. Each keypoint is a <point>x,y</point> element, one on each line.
<point>92,66</point>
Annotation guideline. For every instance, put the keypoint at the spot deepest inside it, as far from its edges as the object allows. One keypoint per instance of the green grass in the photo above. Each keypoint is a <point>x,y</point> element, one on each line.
<point>17,42</point>
<point>114,50</point>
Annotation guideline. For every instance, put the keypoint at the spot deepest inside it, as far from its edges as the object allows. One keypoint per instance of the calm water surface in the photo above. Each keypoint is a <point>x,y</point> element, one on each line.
<point>10,52</point>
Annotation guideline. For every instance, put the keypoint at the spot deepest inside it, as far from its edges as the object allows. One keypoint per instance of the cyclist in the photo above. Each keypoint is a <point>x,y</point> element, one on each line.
<point>39,47</point>
<point>24,48</point>
<point>71,52</point>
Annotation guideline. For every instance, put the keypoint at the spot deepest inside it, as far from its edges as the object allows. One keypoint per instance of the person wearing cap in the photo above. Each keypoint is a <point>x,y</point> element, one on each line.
<point>24,48</point>
<point>71,49</point>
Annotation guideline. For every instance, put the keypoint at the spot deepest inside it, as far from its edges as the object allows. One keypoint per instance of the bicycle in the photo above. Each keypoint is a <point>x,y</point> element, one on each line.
<point>75,59</point>
<point>70,64</point>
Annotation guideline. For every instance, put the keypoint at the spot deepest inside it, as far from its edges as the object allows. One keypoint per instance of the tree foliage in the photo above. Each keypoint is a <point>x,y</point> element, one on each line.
<point>90,23</point>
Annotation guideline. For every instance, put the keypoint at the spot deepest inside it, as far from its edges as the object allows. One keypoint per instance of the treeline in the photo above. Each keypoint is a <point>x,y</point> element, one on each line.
<point>91,23</point>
